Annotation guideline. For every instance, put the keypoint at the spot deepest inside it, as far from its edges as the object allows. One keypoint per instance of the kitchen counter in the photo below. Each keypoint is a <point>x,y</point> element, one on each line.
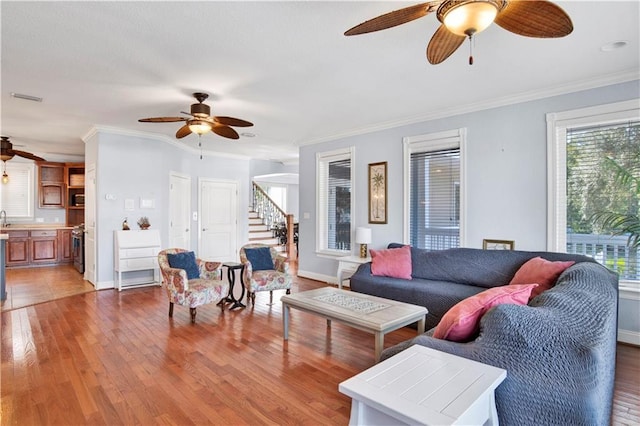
<point>30,226</point>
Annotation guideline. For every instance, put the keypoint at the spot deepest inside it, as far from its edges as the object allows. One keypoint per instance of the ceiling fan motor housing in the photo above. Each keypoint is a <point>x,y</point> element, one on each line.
<point>200,110</point>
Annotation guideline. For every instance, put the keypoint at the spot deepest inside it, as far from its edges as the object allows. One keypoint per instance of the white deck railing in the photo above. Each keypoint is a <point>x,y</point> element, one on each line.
<point>611,251</point>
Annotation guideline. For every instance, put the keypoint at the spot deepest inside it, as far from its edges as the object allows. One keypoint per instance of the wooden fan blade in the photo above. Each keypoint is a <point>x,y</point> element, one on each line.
<point>230,121</point>
<point>535,18</point>
<point>442,45</point>
<point>392,19</point>
<point>28,155</point>
<point>225,131</point>
<point>162,119</point>
<point>183,131</point>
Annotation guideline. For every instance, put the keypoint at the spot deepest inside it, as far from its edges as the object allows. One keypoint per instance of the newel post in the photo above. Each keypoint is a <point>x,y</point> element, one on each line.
<point>291,246</point>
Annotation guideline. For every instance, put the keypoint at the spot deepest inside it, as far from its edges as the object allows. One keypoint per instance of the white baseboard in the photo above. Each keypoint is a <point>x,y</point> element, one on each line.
<point>104,285</point>
<point>631,337</point>
<point>331,279</point>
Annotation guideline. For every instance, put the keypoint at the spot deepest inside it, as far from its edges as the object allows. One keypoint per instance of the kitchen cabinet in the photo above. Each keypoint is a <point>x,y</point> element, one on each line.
<point>65,246</point>
<point>74,173</point>
<point>34,247</point>
<point>17,249</point>
<point>51,187</point>
<point>44,246</point>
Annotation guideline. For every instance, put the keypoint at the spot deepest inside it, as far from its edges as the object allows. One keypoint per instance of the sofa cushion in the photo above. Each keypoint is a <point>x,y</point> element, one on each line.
<point>541,271</point>
<point>395,262</point>
<point>461,322</point>
<point>185,260</point>
<point>260,258</point>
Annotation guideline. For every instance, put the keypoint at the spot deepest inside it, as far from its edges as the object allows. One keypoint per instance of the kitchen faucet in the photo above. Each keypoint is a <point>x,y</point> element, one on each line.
<point>3,218</point>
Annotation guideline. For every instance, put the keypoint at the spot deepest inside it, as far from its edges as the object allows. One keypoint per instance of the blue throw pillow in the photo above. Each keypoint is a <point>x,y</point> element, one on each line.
<point>260,258</point>
<point>187,261</point>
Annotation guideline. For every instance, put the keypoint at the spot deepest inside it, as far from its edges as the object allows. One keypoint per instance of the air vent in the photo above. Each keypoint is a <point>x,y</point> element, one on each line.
<point>26,97</point>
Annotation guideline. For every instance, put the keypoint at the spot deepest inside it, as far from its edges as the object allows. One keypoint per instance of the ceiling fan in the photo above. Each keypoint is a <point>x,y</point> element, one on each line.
<point>202,121</point>
<point>461,19</point>
<point>7,152</point>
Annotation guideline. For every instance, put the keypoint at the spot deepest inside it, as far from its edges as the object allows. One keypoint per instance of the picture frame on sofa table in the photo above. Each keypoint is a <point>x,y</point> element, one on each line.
<point>498,244</point>
<point>378,192</point>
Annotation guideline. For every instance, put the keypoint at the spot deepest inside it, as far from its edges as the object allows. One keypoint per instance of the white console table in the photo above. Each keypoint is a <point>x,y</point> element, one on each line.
<point>424,386</point>
<point>136,251</point>
<point>348,265</point>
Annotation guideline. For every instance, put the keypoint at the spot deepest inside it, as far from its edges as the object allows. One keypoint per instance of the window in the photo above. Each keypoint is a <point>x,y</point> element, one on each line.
<point>16,197</point>
<point>433,177</point>
<point>590,151</point>
<point>335,201</point>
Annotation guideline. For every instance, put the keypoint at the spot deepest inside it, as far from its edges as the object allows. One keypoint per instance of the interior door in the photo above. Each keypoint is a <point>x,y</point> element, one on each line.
<point>179,211</point>
<point>218,207</point>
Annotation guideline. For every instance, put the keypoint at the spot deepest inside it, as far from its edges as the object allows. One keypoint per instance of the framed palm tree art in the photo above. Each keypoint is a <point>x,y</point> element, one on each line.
<point>378,192</point>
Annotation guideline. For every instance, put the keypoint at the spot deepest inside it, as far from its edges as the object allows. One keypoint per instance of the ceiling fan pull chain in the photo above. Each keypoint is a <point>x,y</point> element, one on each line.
<point>200,145</point>
<point>470,49</point>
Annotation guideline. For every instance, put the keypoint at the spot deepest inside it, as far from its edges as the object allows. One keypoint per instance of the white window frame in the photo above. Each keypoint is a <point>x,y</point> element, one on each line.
<point>322,234</point>
<point>456,138</point>
<point>557,125</point>
<point>12,168</point>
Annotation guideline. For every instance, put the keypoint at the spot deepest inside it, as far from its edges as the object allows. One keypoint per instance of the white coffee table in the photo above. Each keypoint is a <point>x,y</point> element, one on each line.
<point>368,313</point>
<point>423,386</point>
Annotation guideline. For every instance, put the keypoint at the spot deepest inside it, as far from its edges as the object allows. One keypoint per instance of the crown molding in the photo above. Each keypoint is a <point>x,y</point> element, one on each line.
<point>158,137</point>
<point>593,83</point>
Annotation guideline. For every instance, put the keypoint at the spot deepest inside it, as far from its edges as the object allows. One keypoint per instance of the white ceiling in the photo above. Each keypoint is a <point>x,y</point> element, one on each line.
<point>285,66</point>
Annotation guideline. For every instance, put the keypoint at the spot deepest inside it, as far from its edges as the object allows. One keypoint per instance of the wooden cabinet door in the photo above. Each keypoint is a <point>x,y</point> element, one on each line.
<point>65,245</point>
<point>17,252</point>
<point>51,195</point>
<point>44,250</point>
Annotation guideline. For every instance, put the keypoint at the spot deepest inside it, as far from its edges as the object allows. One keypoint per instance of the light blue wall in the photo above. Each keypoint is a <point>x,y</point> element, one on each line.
<point>136,166</point>
<point>506,192</point>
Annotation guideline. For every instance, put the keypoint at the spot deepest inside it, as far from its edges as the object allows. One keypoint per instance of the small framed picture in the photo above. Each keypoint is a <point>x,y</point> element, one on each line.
<point>498,244</point>
<point>378,192</point>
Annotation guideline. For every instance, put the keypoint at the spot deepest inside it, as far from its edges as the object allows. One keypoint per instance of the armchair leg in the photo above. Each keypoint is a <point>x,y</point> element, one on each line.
<point>270,298</point>
<point>193,315</point>
<point>170,309</point>
<point>288,291</point>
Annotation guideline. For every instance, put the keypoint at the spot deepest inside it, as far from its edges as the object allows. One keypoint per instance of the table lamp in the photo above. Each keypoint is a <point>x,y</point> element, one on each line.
<point>363,237</point>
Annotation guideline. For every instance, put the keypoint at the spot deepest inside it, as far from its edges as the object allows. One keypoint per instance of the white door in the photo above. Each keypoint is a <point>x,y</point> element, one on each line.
<point>90,226</point>
<point>218,220</point>
<point>179,211</point>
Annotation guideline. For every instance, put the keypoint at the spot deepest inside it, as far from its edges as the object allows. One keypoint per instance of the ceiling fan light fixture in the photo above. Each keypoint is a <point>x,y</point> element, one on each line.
<point>199,127</point>
<point>468,17</point>
<point>5,176</point>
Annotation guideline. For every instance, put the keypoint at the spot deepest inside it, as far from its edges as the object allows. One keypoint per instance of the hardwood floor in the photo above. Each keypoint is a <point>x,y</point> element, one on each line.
<point>116,358</point>
<point>28,286</point>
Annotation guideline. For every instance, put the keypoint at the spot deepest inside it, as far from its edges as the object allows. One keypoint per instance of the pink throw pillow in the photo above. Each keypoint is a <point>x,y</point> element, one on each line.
<point>541,271</point>
<point>394,262</point>
<point>462,321</point>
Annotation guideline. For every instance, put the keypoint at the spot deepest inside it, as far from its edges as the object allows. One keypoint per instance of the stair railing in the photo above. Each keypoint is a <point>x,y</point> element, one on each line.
<point>272,215</point>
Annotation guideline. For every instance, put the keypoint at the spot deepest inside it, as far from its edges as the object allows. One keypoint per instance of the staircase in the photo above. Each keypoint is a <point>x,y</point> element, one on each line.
<point>260,233</point>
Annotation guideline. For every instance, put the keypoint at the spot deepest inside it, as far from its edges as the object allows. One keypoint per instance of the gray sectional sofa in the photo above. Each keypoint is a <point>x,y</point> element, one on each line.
<point>559,350</point>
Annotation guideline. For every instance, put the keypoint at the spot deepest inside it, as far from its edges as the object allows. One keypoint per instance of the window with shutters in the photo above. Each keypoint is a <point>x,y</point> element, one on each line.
<point>595,185</point>
<point>335,201</point>
<point>17,196</point>
<point>433,189</point>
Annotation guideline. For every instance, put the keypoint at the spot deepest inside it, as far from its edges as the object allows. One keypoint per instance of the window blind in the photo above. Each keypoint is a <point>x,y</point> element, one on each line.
<point>602,164</point>
<point>16,197</point>
<point>434,221</point>
<point>334,201</point>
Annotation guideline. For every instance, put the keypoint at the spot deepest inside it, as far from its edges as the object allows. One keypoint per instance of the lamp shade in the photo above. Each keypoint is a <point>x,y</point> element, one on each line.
<point>363,235</point>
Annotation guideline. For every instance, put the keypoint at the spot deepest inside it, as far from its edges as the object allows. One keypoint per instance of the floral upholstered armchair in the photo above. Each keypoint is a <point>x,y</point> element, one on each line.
<point>264,270</point>
<point>190,281</point>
